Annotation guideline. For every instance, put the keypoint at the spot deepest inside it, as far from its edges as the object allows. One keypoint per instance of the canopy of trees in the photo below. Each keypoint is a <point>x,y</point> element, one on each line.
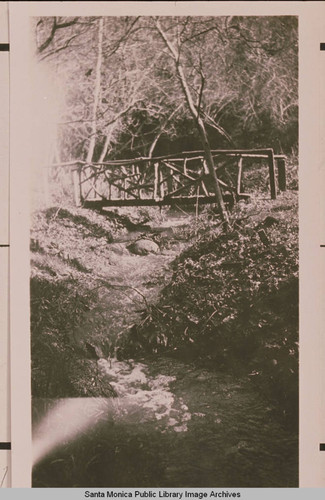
<point>139,86</point>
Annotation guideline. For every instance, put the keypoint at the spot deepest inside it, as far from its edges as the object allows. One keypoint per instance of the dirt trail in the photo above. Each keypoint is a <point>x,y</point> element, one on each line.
<point>137,279</point>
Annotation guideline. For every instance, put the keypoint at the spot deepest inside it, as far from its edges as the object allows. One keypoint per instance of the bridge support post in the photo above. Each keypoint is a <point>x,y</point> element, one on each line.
<point>137,172</point>
<point>239,175</point>
<point>156,182</point>
<point>282,174</point>
<point>161,184</point>
<point>170,181</point>
<point>272,174</point>
<point>76,175</point>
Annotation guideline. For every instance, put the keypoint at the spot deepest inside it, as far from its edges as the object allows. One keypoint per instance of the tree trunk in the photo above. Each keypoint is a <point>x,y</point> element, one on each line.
<point>198,121</point>
<point>106,144</point>
<point>92,142</point>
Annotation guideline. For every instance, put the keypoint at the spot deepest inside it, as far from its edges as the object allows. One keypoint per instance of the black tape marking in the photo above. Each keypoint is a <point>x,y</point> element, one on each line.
<point>4,47</point>
<point>5,446</point>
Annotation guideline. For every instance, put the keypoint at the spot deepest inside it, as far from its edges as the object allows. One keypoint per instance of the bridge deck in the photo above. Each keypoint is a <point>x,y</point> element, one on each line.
<point>149,202</point>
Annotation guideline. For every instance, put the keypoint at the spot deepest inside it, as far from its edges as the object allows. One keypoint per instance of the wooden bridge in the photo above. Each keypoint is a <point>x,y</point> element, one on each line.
<point>180,179</point>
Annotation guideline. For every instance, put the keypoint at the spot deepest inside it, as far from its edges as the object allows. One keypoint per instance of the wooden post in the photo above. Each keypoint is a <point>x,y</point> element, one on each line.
<point>95,183</point>
<point>77,186</point>
<point>137,169</point>
<point>272,174</point>
<point>155,188</point>
<point>282,179</point>
<point>161,184</point>
<point>87,172</point>
<point>185,166</point>
<point>240,170</point>
<point>170,181</point>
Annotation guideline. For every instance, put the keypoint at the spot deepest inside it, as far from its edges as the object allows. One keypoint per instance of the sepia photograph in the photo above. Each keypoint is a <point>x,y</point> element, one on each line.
<point>164,251</point>
<point>166,244</point>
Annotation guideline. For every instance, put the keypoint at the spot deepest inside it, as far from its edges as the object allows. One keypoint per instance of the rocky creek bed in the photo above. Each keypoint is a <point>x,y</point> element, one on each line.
<point>171,425</point>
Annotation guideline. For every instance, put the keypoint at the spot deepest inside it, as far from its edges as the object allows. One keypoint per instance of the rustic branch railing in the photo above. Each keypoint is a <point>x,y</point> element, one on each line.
<point>167,180</point>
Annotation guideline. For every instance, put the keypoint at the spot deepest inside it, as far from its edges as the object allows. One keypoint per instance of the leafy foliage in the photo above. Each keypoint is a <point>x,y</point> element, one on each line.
<point>59,368</point>
<point>233,302</point>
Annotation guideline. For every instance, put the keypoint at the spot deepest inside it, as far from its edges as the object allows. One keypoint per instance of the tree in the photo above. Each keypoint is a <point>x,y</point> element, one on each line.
<point>97,89</point>
<point>135,86</point>
<point>196,114</point>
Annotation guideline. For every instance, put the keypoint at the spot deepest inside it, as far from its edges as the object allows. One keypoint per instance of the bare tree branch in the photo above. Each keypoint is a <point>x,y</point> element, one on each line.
<point>55,27</point>
<point>161,131</point>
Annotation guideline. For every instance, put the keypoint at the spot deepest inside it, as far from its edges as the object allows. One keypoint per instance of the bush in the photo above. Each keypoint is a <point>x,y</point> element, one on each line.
<point>233,303</point>
<point>60,364</point>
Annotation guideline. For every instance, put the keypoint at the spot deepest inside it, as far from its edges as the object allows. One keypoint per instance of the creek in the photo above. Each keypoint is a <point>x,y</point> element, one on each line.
<point>172,424</point>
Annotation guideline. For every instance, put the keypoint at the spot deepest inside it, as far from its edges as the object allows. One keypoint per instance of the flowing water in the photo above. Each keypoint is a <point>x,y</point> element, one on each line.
<point>172,425</point>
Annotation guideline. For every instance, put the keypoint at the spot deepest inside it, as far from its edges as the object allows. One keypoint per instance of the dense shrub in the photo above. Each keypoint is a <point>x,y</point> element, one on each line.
<point>233,304</point>
<point>60,364</point>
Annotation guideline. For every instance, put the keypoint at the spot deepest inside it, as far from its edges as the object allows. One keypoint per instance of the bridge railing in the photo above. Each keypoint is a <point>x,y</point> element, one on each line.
<point>168,180</point>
